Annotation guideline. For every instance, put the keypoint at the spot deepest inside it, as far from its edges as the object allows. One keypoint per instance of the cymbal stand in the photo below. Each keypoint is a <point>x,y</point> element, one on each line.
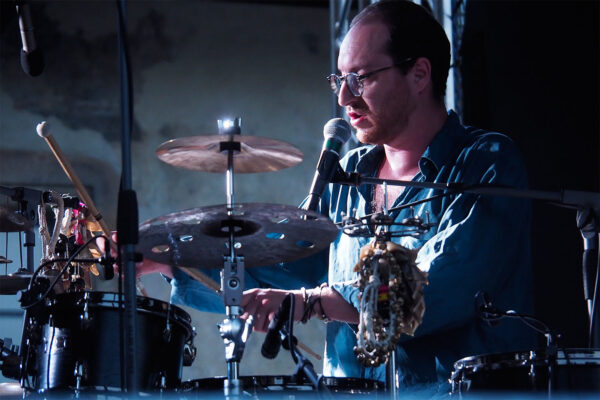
<point>233,329</point>
<point>588,223</point>
<point>28,200</point>
<point>391,369</point>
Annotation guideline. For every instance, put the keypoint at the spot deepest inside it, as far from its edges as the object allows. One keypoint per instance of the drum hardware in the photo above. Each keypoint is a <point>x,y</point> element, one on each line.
<point>390,285</point>
<point>28,201</point>
<point>9,359</point>
<point>487,312</point>
<point>232,236</point>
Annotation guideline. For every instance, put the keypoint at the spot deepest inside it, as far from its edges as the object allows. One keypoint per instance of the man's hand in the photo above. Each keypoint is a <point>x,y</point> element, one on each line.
<point>142,268</point>
<point>262,304</point>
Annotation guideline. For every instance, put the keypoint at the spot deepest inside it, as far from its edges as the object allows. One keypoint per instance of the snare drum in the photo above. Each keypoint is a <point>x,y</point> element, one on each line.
<point>74,343</point>
<point>270,385</point>
<point>572,370</point>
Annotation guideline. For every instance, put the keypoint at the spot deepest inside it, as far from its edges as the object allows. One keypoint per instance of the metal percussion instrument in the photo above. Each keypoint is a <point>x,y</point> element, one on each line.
<point>265,234</point>
<point>209,153</point>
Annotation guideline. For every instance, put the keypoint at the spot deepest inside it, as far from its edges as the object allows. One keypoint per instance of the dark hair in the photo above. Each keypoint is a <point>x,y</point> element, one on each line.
<point>414,33</point>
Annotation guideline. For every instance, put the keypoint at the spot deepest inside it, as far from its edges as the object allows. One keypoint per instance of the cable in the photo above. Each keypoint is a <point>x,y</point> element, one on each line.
<point>62,271</point>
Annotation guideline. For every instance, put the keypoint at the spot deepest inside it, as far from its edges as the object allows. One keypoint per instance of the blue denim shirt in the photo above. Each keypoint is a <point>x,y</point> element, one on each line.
<point>477,243</point>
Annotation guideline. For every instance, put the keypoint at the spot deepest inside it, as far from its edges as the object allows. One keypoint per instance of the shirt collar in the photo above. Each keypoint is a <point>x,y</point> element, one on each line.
<point>442,147</point>
<point>438,153</point>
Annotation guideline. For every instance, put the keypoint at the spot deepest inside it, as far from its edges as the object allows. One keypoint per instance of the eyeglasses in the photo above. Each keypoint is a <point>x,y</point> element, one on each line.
<point>355,81</point>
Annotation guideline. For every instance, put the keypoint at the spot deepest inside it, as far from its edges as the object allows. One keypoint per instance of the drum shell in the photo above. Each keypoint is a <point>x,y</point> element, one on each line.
<point>79,334</point>
<point>573,370</point>
<point>270,385</point>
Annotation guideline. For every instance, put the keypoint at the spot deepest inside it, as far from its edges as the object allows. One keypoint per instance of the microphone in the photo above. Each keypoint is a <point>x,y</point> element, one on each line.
<point>32,60</point>
<point>272,342</point>
<point>336,132</point>
<point>485,309</point>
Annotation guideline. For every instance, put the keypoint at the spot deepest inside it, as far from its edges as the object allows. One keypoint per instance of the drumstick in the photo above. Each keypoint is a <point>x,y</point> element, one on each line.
<point>202,277</point>
<point>308,350</point>
<point>43,130</point>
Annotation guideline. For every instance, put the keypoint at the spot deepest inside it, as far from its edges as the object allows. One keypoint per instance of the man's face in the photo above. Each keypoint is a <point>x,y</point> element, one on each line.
<point>382,112</point>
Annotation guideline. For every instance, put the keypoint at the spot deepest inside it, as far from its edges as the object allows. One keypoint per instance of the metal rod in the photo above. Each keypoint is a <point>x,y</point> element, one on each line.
<point>392,376</point>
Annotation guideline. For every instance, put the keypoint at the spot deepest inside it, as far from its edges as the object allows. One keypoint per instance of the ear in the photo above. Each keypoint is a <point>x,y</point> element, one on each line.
<point>421,74</point>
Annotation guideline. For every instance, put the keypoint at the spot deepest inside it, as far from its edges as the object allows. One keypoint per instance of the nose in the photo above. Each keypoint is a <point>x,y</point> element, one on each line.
<point>345,96</point>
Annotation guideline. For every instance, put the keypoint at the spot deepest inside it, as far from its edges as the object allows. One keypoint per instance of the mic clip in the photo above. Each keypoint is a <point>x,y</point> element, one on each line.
<point>346,178</point>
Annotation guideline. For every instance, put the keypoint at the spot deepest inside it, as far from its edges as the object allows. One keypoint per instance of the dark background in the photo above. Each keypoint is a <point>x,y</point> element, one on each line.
<point>530,70</point>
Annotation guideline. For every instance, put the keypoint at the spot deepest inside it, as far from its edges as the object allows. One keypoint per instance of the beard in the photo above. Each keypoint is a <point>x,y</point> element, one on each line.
<point>386,119</point>
<point>383,129</point>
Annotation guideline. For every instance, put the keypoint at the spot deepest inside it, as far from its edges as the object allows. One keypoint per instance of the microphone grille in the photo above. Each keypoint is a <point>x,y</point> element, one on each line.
<point>337,128</point>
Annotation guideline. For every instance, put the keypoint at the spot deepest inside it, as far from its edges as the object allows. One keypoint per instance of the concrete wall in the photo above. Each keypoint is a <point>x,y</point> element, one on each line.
<point>193,63</point>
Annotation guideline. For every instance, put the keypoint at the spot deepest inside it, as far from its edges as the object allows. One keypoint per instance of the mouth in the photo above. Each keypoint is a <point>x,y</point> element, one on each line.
<point>356,118</point>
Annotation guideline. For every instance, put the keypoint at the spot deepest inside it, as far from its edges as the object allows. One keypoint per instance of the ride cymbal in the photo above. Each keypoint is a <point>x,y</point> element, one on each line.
<point>208,153</point>
<point>265,234</point>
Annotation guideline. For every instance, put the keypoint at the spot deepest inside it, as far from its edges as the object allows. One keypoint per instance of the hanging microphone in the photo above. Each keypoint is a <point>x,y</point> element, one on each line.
<point>272,342</point>
<point>32,60</point>
<point>485,310</point>
<point>336,132</point>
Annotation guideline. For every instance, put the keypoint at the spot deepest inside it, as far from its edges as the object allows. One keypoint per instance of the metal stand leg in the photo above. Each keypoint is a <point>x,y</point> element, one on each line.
<point>392,376</point>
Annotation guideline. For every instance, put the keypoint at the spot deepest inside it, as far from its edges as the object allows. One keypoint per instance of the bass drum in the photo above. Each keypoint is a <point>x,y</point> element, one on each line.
<point>576,370</point>
<point>74,343</point>
<point>269,386</point>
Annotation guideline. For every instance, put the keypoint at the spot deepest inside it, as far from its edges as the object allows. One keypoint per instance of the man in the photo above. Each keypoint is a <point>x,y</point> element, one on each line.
<point>394,64</point>
<point>401,56</point>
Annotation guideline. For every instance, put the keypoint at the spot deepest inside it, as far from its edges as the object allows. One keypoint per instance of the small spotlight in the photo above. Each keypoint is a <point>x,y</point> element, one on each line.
<point>227,123</point>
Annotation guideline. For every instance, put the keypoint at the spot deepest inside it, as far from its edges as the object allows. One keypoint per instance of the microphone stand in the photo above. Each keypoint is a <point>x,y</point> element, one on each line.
<point>127,212</point>
<point>303,366</point>
<point>587,203</point>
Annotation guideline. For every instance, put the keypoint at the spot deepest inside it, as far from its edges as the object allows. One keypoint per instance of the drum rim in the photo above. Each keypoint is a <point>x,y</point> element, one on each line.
<point>109,300</point>
<point>528,356</point>
<point>373,384</point>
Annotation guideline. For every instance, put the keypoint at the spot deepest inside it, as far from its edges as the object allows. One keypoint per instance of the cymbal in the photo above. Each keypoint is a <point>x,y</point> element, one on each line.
<point>265,234</point>
<point>11,221</point>
<point>12,283</point>
<point>204,153</point>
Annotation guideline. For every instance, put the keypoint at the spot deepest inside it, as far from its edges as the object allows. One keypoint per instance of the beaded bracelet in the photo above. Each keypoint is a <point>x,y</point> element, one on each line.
<point>323,317</point>
<point>307,309</point>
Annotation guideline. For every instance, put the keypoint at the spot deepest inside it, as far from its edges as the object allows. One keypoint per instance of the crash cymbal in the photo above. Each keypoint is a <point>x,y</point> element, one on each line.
<point>265,234</point>
<point>12,283</point>
<point>12,221</point>
<point>4,260</point>
<point>206,153</point>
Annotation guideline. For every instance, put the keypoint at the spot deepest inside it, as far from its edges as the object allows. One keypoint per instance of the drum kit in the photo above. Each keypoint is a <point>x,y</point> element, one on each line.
<point>67,345</point>
<point>66,341</point>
